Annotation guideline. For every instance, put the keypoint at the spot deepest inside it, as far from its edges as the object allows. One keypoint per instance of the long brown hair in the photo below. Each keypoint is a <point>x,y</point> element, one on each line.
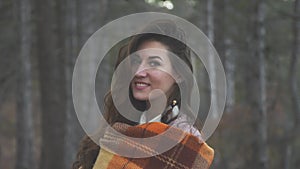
<point>167,33</point>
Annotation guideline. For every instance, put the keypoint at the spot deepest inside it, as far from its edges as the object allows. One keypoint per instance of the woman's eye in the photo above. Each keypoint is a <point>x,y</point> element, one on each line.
<point>135,61</point>
<point>154,63</point>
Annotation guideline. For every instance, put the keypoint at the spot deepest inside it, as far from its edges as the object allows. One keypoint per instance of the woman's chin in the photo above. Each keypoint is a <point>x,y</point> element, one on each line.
<point>141,97</point>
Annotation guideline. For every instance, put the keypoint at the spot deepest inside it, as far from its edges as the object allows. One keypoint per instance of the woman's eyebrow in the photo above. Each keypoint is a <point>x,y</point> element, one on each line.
<point>135,55</point>
<point>155,57</point>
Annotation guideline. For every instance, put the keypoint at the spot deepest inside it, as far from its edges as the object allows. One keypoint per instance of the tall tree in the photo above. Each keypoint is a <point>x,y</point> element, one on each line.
<point>223,44</point>
<point>24,117</point>
<point>82,19</point>
<point>73,131</point>
<point>229,59</point>
<point>210,20</point>
<point>52,83</point>
<point>88,22</point>
<point>260,52</point>
<point>294,91</point>
<point>294,61</point>
<point>200,72</point>
<point>211,36</point>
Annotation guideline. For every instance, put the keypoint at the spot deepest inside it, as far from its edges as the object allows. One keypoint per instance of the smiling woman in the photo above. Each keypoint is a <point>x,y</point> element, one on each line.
<point>153,69</point>
<point>152,58</point>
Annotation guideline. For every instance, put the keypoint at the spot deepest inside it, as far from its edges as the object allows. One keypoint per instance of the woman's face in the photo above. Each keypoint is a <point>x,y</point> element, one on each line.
<point>152,70</point>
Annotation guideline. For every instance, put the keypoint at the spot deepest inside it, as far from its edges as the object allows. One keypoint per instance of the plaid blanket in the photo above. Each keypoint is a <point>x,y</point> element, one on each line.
<point>189,153</point>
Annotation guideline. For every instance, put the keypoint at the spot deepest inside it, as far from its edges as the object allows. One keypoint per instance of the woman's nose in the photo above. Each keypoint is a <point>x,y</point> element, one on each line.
<point>141,71</point>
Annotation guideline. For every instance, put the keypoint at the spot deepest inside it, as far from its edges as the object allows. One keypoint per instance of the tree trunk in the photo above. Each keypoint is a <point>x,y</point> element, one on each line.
<point>211,66</point>
<point>200,71</point>
<point>230,71</point>
<point>224,47</point>
<point>88,15</point>
<point>24,117</point>
<point>52,83</point>
<point>210,20</point>
<point>229,61</point>
<point>91,17</point>
<point>262,118</point>
<point>80,24</point>
<point>73,133</point>
<point>287,156</point>
<point>295,98</point>
<point>294,63</point>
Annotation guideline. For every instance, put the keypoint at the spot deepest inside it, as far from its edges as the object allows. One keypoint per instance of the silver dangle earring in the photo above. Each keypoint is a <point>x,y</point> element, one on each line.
<point>170,113</point>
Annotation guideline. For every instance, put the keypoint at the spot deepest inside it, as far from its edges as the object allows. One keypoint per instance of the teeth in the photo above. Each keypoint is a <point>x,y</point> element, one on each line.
<point>141,84</point>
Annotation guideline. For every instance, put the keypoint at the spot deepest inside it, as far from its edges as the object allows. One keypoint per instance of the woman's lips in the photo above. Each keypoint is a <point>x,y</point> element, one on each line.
<point>141,85</point>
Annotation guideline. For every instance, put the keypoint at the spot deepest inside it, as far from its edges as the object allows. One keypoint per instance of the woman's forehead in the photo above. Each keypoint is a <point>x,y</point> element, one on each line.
<point>153,49</point>
<point>152,44</point>
<point>152,53</point>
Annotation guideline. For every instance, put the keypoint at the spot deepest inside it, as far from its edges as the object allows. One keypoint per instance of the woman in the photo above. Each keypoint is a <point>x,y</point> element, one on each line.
<point>151,61</point>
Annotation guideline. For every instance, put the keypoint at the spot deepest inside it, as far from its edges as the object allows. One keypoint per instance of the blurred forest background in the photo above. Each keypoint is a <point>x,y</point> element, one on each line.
<point>258,42</point>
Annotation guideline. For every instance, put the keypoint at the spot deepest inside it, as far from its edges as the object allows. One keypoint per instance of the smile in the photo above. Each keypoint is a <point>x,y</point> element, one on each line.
<point>141,85</point>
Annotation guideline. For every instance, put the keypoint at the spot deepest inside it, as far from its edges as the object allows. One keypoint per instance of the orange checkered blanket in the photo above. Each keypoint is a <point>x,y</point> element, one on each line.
<point>189,153</point>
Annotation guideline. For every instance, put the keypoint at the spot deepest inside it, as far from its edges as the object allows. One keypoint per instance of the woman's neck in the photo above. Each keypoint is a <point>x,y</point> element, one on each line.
<point>155,107</point>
